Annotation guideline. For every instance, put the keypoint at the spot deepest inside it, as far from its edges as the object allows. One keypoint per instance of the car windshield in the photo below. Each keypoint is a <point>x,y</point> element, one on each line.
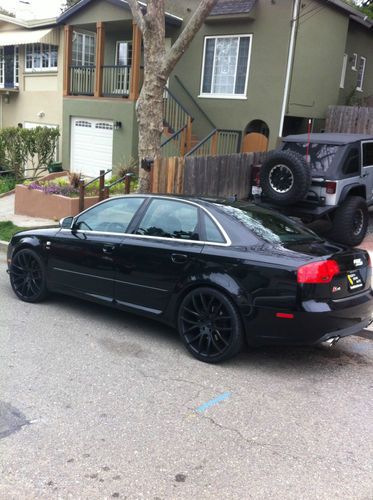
<point>269,225</point>
<point>320,155</point>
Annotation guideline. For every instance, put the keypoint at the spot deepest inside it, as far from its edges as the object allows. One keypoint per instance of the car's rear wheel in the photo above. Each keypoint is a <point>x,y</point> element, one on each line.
<point>285,177</point>
<point>28,276</point>
<point>350,221</point>
<point>209,325</point>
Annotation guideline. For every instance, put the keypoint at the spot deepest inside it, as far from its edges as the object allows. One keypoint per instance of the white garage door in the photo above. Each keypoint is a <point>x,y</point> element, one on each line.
<point>91,146</point>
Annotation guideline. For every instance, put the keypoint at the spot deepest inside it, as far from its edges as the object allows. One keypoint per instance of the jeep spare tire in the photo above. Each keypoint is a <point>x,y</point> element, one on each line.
<point>285,177</point>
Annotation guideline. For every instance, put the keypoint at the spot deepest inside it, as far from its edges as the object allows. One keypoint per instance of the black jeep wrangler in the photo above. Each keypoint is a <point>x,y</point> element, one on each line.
<point>321,176</point>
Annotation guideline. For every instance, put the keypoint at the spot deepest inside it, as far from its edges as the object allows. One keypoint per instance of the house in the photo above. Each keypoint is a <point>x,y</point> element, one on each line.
<point>31,62</point>
<point>256,70</point>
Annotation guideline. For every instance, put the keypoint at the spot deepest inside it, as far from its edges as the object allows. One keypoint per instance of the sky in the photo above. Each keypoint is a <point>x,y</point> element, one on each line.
<point>36,9</point>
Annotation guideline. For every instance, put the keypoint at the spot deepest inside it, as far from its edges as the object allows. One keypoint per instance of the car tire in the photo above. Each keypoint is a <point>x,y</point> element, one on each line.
<point>285,177</point>
<point>350,221</point>
<point>28,276</point>
<point>210,326</point>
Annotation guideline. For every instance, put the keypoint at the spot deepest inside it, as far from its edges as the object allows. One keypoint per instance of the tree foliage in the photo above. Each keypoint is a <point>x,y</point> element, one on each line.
<point>365,6</point>
<point>34,147</point>
<point>67,4</point>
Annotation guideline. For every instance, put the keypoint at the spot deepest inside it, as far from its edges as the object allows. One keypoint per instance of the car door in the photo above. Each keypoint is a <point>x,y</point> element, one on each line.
<point>367,167</point>
<point>81,259</point>
<point>161,253</point>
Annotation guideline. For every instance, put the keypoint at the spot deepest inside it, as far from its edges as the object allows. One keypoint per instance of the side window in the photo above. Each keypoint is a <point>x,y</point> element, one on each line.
<point>213,233</point>
<point>367,154</point>
<point>351,164</point>
<point>113,216</point>
<point>170,219</point>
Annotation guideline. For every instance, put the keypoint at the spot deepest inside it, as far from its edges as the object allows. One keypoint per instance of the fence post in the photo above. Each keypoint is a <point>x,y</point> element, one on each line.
<point>189,134</point>
<point>182,142</point>
<point>106,192</point>
<point>127,184</point>
<point>101,185</point>
<point>214,144</point>
<point>81,195</point>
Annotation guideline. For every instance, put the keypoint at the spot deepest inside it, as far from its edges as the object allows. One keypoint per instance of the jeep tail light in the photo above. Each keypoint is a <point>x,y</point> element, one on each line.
<point>330,187</point>
<point>318,272</point>
<point>256,175</point>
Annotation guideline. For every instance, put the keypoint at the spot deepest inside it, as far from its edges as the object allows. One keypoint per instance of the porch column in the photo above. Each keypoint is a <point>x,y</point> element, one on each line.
<point>68,31</point>
<point>100,45</point>
<point>136,62</point>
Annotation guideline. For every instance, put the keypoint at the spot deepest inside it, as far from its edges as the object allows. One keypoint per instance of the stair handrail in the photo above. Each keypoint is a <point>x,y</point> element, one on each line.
<point>168,91</point>
<point>83,185</point>
<point>195,102</point>
<point>212,133</point>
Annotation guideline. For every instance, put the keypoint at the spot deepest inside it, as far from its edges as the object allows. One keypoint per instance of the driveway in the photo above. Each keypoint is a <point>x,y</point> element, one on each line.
<point>99,404</point>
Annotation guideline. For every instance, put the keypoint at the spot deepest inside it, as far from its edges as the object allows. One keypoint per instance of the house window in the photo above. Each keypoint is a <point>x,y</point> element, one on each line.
<point>83,49</point>
<point>354,62</point>
<point>343,74</point>
<point>2,63</point>
<point>225,66</point>
<point>16,66</point>
<point>360,73</point>
<point>41,57</point>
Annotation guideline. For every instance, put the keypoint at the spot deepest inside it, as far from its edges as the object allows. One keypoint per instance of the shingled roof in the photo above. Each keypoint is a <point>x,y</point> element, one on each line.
<point>229,7</point>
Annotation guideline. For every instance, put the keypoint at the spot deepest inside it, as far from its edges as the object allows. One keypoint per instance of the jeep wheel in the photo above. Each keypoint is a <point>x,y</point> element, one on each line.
<point>285,177</point>
<point>350,221</point>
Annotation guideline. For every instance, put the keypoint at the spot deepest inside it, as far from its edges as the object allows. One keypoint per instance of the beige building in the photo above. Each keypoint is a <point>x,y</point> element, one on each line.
<point>31,73</point>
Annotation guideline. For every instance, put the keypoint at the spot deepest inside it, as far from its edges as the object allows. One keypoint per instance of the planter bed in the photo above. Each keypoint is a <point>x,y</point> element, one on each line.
<point>35,203</point>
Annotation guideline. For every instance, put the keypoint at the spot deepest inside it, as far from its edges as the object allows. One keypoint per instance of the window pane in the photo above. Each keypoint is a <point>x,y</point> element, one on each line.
<point>37,55</point>
<point>225,65</point>
<point>45,55</point>
<point>53,56</point>
<point>209,65</point>
<point>170,219</point>
<point>360,74</point>
<point>320,155</point>
<point>367,154</point>
<point>111,217</point>
<point>28,56</point>
<point>351,164</point>
<point>212,232</point>
<point>243,56</point>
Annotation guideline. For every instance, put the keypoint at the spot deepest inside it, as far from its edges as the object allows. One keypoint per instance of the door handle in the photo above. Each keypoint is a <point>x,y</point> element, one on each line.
<point>108,248</point>
<point>179,258</point>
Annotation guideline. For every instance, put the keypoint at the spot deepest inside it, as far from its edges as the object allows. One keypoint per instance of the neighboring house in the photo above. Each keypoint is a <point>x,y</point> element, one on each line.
<point>31,65</point>
<point>257,68</point>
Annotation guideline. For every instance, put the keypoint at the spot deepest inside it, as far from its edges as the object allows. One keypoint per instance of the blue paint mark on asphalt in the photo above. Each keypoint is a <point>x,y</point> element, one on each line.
<point>213,402</point>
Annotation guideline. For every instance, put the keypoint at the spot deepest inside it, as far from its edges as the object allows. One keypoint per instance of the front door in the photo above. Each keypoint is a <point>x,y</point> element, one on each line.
<point>152,262</point>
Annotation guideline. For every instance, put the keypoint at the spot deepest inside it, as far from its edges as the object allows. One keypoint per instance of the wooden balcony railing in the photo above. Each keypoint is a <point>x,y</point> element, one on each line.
<point>116,81</point>
<point>82,80</point>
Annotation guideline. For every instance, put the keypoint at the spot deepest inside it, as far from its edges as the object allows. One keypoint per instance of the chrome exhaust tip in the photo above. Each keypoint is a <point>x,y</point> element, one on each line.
<point>331,342</point>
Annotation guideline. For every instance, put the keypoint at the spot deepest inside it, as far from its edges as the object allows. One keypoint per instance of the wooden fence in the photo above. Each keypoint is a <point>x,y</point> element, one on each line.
<point>216,176</point>
<point>349,119</point>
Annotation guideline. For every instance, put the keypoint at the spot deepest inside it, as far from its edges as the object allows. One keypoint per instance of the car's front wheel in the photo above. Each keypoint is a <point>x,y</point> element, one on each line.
<point>350,221</point>
<point>28,276</point>
<point>209,325</point>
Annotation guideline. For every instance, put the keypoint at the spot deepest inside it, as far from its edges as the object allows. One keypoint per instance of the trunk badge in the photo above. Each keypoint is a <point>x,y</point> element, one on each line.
<point>358,262</point>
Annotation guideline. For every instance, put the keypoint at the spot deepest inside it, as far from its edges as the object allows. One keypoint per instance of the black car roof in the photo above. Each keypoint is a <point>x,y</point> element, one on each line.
<point>328,138</point>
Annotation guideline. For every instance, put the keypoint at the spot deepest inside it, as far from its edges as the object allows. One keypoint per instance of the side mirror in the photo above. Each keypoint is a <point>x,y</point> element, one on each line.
<point>66,222</point>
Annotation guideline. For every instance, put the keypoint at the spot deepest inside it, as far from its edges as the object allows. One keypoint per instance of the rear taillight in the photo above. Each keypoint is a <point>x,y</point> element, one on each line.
<point>330,187</point>
<point>256,175</point>
<point>318,272</point>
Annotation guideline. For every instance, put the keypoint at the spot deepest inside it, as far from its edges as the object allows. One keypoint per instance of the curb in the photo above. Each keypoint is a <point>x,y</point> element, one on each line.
<point>3,245</point>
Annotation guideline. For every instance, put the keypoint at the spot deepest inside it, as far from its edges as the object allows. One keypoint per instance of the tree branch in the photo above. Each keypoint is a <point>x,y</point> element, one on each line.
<point>137,14</point>
<point>187,35</point>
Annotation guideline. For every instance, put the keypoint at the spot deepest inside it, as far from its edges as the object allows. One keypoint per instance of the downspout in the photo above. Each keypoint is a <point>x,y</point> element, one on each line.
<point>291,53</point>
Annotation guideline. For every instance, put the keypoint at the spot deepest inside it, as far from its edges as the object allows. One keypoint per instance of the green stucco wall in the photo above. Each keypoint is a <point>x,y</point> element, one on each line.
<point>320,43</point>
<point>270,40</point>
<point>124,139</point>
<point>360,42</point>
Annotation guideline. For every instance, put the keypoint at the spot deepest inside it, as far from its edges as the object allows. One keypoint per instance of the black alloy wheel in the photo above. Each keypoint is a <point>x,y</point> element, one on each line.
<point>27,276</point>
<point>210,326</point>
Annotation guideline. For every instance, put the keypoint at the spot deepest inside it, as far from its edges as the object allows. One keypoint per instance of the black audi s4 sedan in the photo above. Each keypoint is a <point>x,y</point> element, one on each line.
<point>222,273</point>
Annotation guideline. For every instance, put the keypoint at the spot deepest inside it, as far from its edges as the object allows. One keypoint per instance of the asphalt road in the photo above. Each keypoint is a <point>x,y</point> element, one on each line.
<point>99,404</point>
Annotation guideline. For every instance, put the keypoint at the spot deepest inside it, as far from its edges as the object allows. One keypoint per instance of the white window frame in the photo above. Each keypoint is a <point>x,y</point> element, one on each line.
<point>16,66</point>
<point>40,68</point>
<point>85,35</point>
<point>2,68</point>
<point>363,60</point>
<point>225,96</point>
<point>343,73</point>
<point>354,62</point>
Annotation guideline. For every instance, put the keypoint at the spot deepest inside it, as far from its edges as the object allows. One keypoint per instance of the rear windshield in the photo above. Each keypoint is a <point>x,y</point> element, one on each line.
<point>269,225</point>
<point>320,155</point>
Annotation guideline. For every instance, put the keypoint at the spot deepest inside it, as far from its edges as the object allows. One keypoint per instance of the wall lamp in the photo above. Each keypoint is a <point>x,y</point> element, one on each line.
<point>117,125</point>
